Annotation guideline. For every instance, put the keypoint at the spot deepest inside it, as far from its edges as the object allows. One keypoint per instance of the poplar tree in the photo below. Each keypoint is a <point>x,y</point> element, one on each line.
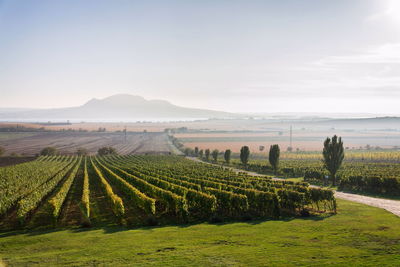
<point>244,154</point>
<point>274,153</point>
<point>333,153</point>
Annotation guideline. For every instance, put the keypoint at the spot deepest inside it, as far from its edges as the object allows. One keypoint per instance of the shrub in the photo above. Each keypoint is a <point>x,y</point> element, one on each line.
<point>48,151</point>
<point>107,150</point>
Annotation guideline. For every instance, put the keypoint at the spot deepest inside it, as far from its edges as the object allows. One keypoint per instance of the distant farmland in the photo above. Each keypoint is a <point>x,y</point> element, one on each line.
<point>68,142</point>
<point>304,140</point>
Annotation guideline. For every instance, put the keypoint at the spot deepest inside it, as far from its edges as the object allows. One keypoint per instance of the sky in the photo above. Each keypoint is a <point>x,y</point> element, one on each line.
<point>237,56</point>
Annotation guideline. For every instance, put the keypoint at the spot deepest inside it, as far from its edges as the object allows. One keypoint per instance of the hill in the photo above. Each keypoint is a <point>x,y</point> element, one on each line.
<point>122,107</point>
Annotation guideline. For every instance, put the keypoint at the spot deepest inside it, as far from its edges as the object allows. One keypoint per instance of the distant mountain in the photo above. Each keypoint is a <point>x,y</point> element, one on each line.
<point>122,107</point>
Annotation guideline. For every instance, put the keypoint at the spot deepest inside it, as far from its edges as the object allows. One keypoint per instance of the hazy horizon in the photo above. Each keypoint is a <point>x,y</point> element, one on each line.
<point>236,56</point>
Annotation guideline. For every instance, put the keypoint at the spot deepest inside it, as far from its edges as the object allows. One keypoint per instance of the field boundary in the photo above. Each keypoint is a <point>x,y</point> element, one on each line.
<point>392,206</point>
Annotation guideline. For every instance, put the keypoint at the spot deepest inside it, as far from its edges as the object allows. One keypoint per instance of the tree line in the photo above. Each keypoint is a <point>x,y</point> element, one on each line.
<point>333,155</point>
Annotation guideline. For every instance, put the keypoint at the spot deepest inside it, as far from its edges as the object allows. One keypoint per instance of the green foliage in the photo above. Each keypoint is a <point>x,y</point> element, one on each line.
<point>81,151</point>
<point>188,151</point>
<point>333,153</point>
<point>22,179</point>
<point>244,154</point>
<point>227,155</point>
<point>115,201</point>
<point>56,201</point>
<point>31,201</point>
<point>106,151</point>
<point>2,151</point>
<point>215,155</point>
<point>274,153</point>
<point>207,154</point>
<point>165,188</point>
<point>48,151</point>
<point>137,198</point>
<point>368,184</point>
<point>86,191</point>
<point>358,235</point>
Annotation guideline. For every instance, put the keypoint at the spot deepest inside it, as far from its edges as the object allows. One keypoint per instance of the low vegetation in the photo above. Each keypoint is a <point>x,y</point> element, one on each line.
<point>357,235</point>
<point>48,151</point>
<point>372,173</point>
<point>142,190</point>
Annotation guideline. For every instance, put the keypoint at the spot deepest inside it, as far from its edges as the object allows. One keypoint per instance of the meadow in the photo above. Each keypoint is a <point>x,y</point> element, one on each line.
<point>357,235</point>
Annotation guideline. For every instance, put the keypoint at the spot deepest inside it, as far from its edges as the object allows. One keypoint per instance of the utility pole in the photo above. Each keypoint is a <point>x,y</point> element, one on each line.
<point>125,133</point>
<point>291,133</point>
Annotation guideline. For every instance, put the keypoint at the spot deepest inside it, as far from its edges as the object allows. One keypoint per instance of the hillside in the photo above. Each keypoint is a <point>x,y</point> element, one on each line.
<point>121,107</point>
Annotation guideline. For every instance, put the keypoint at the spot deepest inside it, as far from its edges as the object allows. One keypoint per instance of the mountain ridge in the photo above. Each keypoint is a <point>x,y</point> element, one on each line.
<point>118,107</point>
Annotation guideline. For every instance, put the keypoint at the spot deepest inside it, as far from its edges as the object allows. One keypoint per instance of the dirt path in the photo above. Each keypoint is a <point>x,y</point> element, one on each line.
<point>392,206</point>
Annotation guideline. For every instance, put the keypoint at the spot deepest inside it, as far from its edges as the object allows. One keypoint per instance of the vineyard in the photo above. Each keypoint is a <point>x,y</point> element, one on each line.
<point>144,190</point>
<point>378,176</point>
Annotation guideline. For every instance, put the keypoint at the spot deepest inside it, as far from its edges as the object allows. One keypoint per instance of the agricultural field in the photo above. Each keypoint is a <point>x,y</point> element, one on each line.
<point>302,139</point>
<point>4,136</point>
<point>205,215</point>
<point>371,172</point>
<point>68,142</point>
<point>142,190</point>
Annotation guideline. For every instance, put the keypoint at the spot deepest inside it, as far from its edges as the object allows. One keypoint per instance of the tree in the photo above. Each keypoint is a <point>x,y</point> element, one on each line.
<point>215,155</point>
<point>207,154</point>
<point>107,150</point>
<point>81,151</point>
<point>48,151</point>
<point>333,153</point>
<point>227,155</point>
<point>274,153</point>
<point>2,151</point>
<point>188,151</point>
<point>244,154</point>
<point>196,151</point>
<point>201,153</point>
<point>261,148</point>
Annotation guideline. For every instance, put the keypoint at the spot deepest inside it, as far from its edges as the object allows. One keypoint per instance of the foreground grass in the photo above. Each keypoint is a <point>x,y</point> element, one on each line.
<point>357,236</point>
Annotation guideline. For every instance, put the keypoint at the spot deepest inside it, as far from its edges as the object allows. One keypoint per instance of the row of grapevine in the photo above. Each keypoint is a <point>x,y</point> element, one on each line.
<point>197,201</point>
<point>376,185</point>
<point>56,201</point>
<point>115,201</point>
<point>31,201</point>
<point>261,193</point>
<point>172,202</point>
<point>137,198</point>
<point>144,189</point>
<point>19,180</point>
<point>85,192</point>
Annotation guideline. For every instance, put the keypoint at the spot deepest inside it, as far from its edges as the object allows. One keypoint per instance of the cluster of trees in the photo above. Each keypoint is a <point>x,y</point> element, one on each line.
<point>106,151</point>
<point>176,130</point>
<point>81,151</point>
<point>49,151</point>
<point>244,155</point>
<point>333,155</point>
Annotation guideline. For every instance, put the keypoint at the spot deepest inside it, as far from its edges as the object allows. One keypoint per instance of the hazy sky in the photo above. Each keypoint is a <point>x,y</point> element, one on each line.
<point>247,56</point>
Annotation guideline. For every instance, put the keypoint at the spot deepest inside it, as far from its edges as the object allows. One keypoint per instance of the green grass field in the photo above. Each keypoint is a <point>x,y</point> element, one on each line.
<point>357,236</point>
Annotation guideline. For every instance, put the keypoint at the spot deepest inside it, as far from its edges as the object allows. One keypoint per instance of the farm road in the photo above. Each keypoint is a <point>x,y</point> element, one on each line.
<point>392,206</point>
